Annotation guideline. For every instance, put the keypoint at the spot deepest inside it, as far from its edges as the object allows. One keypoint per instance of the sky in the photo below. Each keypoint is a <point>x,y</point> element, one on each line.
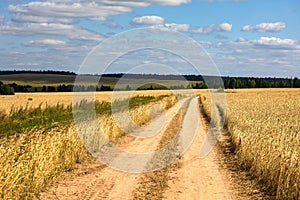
<point>257,38</point>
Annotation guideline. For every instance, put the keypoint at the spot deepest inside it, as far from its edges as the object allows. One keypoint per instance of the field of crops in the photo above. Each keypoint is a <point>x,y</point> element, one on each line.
<point>65,98</point>
<point>264,128</point>
<point>38,144</point>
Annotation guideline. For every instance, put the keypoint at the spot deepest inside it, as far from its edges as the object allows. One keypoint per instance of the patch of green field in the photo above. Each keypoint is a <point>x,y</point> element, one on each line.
<point>39,80</point>
<point>21,119</point>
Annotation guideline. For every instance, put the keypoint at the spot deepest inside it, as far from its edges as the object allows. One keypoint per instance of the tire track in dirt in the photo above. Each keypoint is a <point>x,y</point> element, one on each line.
<point>107,183</point>
<point>188,178</point>
<point>199,178</point>
<point>151,185</point>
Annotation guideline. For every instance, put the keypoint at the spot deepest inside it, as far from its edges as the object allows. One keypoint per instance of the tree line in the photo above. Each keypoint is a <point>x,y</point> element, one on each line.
<point>235,83</point>
<point>227,82</point>
<point>11,72</point>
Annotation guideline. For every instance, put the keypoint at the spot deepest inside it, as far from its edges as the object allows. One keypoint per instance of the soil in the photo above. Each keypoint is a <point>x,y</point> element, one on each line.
<point>192,178</point>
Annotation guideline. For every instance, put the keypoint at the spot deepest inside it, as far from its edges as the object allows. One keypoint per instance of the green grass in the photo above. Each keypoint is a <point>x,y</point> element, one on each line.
<point>21,119</point>
<point>24,118</point>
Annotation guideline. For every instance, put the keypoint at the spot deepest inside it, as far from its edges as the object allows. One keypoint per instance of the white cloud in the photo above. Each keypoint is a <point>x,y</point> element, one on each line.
<point>177,27</point>
<point>206,45</point>
<point>265,43</point>
<point>1,18</point>
<point>91,10</point>
<point>266,55</point>
<point>95,10</point>
<point>45,43</point>
<point>143,3</point>
<point>273,41</point>
<point>170,2</point>
<point>148,20</point>
<point>41,19</point>
<point>211,1</point>
<point>49,30</point>
<point>265,27</point>
<point>224,27</point>
<point>57,18</point>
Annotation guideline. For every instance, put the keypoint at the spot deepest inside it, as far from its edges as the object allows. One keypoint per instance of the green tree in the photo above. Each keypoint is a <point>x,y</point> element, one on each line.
<point>6,90</point>
<point>251,83</point>
<point>296,83</point>
<point>232,83</point>
<point>44,89</point>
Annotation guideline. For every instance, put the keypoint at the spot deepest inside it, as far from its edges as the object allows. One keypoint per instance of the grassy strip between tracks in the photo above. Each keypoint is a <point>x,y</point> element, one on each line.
<point>152,185</point>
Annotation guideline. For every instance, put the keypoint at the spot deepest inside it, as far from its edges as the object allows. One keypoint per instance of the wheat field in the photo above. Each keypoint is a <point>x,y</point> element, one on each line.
<point>264,128</point>
<point>33,159</point>
<point>65,98</point>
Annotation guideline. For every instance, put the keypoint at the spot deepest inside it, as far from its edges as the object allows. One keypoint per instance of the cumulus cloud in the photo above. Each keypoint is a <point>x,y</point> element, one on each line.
<point>44,43</point>
<point>265,27</point>
<point>91,10</point>
<point>148,20</point>
<point>95,10</point>
<point>158,22</point>
<point>273,41</point>
<point>211,1</point>
<point>266,43</point>
<point>143,3</point>
<point>41,19</point>
<point>224,27</point>
<point>265,55</point>
<point>57,18</point>
<point>178,27</point>
<point>52,30</point>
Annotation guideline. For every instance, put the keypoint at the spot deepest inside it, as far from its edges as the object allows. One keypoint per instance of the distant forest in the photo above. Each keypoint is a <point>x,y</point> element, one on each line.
<point>11,72</point>
<point>198,82</point>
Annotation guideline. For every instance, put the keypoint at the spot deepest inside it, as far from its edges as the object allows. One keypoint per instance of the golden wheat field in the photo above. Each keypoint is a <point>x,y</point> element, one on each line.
<point>264,127</point>
<point>35,158</point>
<point>65,98</point>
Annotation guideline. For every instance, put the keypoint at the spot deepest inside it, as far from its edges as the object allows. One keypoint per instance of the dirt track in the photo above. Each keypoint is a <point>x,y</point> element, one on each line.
<point>195,178</point>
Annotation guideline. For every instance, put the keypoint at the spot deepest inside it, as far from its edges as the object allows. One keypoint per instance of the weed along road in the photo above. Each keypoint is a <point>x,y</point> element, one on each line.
<point>188,177</point>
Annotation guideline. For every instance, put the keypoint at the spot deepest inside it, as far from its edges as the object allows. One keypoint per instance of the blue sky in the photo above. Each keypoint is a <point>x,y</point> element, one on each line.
<point>242,37</point>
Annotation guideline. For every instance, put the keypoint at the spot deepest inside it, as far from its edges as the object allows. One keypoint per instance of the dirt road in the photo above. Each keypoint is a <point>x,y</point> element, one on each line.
<point>195,178</point>
<point>199,178</point>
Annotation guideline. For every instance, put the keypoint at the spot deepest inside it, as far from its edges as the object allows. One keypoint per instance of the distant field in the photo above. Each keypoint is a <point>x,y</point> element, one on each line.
<point>38,80</point>
<point>35,99</point>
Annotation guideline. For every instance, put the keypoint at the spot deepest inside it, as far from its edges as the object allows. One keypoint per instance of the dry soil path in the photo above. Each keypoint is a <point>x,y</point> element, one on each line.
<point>199,178</point>
<point>101,182</point>
<point>195,179</point>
